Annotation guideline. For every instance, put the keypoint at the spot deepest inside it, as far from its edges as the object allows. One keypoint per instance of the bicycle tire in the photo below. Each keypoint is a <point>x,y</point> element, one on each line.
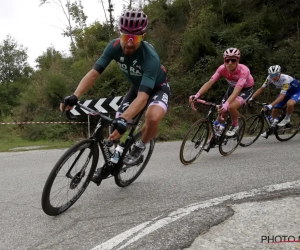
<point>292,127</point>
<point>189,143</point>
<point>120,177</point>
<point>254,128</point>
<point>49,195</point>
<point>236,139</point>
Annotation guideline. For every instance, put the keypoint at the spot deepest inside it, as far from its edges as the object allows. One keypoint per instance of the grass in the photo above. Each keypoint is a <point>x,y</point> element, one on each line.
<point>172,127</point>
<point>14,144</point>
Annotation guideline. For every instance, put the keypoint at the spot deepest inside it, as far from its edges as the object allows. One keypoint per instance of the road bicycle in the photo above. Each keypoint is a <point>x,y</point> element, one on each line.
<point>72,173</point>
<point>255,126</point>
<point>196,138</point>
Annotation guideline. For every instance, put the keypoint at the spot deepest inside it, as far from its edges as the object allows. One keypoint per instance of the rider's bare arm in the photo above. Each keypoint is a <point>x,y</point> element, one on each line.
<point>86,83</point>
<point>206,86</point>
<point>258,92</point>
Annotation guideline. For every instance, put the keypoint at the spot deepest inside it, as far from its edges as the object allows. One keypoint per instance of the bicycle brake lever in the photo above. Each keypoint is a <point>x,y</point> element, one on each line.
<point>193,106</point>
<point>67,112</point>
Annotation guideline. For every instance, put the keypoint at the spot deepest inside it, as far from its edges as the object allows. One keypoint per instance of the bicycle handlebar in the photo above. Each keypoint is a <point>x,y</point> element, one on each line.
<point>92,112</point>
<point>208,104</point>
<point>257,102</point>
<point>205,103</point>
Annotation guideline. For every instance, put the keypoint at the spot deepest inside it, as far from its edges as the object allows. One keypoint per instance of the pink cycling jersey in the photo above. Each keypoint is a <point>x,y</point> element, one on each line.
<point>240,77</point>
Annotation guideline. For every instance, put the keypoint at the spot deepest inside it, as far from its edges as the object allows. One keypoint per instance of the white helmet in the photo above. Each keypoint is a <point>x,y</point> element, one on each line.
<point>274,69</point>
<point>232,52</point>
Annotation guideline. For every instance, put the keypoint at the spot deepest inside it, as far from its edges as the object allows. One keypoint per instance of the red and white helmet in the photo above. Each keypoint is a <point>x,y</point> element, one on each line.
<point>232,52</point>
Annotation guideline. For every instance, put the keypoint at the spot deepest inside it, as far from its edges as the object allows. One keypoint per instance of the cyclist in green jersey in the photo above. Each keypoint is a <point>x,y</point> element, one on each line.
<point>141,65</point>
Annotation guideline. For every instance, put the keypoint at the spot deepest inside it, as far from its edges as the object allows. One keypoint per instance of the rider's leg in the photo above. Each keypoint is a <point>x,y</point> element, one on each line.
<point>275,113</point>
<point>156,110</point>
<point>153,117</point>
<point>234,113</point>
<point>290,107</point>
<point>289,110</point>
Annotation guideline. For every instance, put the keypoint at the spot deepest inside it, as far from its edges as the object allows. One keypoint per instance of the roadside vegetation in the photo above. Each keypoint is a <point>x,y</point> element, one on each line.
<point>190,37</point>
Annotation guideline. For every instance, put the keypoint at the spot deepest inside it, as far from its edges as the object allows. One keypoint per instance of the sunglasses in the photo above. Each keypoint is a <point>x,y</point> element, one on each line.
<point>228,60</point>
<point>134,38</point>
<point>274,75</point>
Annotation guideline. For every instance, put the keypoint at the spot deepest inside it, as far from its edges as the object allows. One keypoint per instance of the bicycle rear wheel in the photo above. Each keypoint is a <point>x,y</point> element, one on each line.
<point>70,177</point>
<point>128,174</point>
<point>194,141</point>
<point>254,127</point>
<point>229,143</point>
<point>288,131</point>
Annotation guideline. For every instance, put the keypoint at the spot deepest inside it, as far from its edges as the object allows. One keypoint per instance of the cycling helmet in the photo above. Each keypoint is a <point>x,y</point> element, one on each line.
<point>274,69</point>
<point>232,52</point>
<point>133,21</point>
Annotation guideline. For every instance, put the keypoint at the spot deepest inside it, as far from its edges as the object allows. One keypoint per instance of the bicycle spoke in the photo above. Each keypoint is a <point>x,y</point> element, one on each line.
<point>69,177</point>
<point>289,130</point>
<point>194,141</point>
<point>229,143</point>
<point>254,127</point>
<point>128,174</point>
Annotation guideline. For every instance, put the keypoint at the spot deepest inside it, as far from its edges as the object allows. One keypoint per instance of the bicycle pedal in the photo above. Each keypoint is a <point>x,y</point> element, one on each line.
<point>207,149</point>
<point>104,174</point>
<point>97,180</point>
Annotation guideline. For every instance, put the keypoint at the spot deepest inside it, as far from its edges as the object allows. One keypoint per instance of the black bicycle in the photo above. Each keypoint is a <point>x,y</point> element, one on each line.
<point>73,172</point>
<point>255,126</point>
<point>196,138</point>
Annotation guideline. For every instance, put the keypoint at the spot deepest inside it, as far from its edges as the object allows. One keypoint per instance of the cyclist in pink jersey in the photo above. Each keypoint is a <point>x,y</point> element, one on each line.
<point>240,87</point>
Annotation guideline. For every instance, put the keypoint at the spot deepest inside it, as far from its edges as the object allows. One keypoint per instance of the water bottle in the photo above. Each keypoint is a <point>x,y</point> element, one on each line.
<point>111,147</point>
<point>221,128</point>
<point>117,154</point>
<point>216,126</point>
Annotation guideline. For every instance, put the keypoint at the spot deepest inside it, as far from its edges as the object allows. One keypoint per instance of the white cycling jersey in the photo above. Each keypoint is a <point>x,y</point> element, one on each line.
<point>283,83</point>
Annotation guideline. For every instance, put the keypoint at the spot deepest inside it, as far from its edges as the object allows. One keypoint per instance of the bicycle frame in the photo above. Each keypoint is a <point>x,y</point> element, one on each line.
<point>210,119</point>
<point>265,114</point>
<point>98,137</point>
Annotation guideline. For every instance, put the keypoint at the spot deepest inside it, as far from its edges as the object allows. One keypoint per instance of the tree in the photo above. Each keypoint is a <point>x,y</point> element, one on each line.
<point>50,57</point>
<point>13,61</point>
<point>73,12</point>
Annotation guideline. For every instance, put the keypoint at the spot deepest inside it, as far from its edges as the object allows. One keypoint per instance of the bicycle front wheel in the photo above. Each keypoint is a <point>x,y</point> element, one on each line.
<point>70,177</point>
<point>254,128</point>
<point>229,143</point>
<point>288,131</point>
<point>128,174</point>
<point>194,141</point>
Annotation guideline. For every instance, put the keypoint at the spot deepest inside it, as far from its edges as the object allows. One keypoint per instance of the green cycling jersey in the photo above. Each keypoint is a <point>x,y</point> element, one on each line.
<point>143,69</point>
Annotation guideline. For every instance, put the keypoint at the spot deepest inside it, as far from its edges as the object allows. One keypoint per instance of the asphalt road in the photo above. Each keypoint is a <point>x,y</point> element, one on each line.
<point>167,207</point>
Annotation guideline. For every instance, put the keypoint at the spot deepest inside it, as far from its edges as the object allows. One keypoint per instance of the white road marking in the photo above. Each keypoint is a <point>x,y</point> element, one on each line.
<point>143,229</point>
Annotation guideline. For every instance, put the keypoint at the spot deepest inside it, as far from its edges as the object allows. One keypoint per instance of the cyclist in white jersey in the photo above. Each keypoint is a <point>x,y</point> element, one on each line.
<point>289,94</point>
